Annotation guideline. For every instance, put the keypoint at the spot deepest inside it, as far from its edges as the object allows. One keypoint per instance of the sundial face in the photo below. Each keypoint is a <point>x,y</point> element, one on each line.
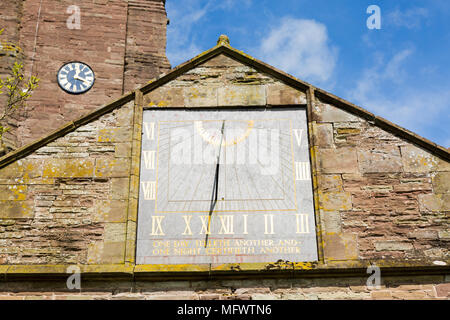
<point>225,187</point>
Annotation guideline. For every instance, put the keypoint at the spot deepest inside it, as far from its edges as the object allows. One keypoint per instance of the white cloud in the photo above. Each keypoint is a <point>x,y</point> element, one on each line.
<point>184,16</point>
<point>300,47</point>
<point>411,18</point>
<point>383,90</point>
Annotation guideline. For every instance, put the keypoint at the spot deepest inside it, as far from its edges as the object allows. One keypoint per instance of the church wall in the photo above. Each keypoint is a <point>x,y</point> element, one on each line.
<point>379,199</point>
<point>68,201</point>
<point>380,196</point>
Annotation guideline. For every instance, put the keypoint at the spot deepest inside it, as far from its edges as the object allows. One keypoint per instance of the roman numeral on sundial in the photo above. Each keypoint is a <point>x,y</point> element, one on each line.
<point>205,227</point>
<point>302,171</point>
<point>302,223</point>
<point>226,224</point>
<point>298,136</point>
<point>149,129</point>
<point>149,189</point>
<point>157,229</point>
<point>149,159</point>
<point>268,224</point>
<point>187,229</point>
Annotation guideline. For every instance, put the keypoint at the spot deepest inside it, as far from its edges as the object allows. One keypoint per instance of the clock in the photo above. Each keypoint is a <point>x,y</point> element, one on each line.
<point>76,77</point>
<point>225,186</point>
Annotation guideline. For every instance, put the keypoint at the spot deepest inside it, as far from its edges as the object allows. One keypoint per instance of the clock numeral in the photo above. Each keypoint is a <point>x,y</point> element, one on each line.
<point>302,171</point>
<point>298,136</point>
<point>149,159</point>
<point>149,189</point>
<point>157,229</point>
<point>268,224</point>
<point>302,223</point>
<point>149,128</point>
<point>187,229</point>
<point>226,224</point>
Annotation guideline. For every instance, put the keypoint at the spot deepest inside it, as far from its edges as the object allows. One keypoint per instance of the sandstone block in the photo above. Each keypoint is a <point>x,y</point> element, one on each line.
<point>13,192</point>
<point>165,97</point>
<point>118,167</point>
<point>200,96</point>
<point>340,246</point>
<point>441,182</point>
<point>323,135</point>
<point>331,221</point>
<point>335,201</point>
<point>434,202</point>
<point>329,182</point>
<point>117,134</point>
<point>380,160</point>
<point>341,160</point>
<point>16,209</point>
<point>243,95</point>
<point>328,113</point>
<point>424,234</point>
<point>280,94</point>
<point>390,245</point>
<point>31,167</point>
<point>418,160</point>
<point>68,168</point>
<point>113,253</point>
<point>122,150</point>
<point>119,188</point>
<point>115,232</point>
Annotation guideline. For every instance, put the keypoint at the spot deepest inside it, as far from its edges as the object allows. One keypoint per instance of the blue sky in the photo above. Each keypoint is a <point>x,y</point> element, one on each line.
<point>400,72</point>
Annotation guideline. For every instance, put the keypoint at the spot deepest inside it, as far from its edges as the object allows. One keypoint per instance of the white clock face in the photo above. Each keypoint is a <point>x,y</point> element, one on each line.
<point>228,186</point>
<point>76,77</point>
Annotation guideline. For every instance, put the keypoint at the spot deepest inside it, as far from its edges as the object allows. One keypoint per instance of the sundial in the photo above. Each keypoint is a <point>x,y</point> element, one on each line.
<point>225,186</point>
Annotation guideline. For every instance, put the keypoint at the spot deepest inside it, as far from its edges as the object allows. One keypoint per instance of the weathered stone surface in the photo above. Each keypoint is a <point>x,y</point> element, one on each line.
<point>340,246</point>
<point>391,245</point>
<point>441,182</point>
<point>323,135</point>
<point>340,160</point>
<point>165,97</point>
<point>16,209</point>
<point>335,201</point>
<point>380,160</point>
<point>278,94</point>
<point>324,112</point>
<point>331,221</point>
<point>418,160</point>
<point>434,202</point>
<point>201,96</point>
<point>241,96</point>
<point>69,168</point>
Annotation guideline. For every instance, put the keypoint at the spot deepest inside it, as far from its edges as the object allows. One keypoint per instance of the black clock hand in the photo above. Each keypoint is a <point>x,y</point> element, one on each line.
<point>215,188</point>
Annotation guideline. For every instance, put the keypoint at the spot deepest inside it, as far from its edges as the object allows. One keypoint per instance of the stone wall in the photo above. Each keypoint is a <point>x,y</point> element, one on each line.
<point>145,56</point>
<point>345,288</point>
<point>380,198</point>
<point>68,201</point>
<point>118,39</point>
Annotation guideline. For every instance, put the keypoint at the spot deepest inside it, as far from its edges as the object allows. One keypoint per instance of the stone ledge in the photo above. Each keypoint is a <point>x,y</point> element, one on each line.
<point>229,271</point>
